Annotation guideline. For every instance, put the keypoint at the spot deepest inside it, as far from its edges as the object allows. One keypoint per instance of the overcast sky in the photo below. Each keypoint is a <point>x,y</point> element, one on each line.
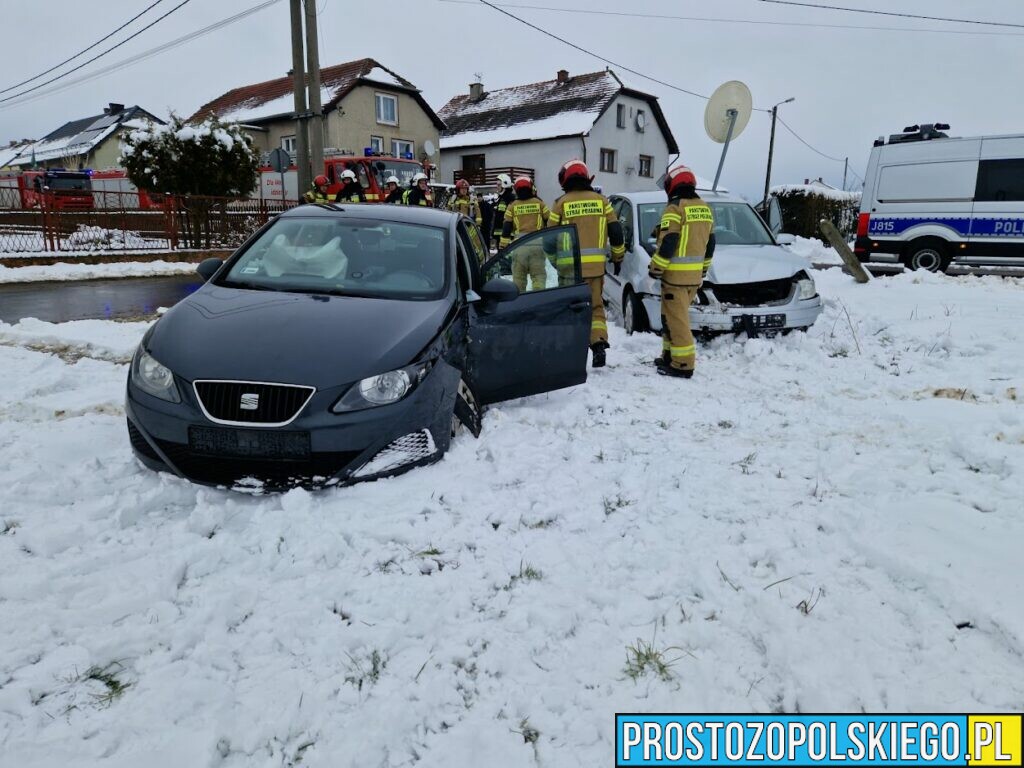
<point>850,85</point>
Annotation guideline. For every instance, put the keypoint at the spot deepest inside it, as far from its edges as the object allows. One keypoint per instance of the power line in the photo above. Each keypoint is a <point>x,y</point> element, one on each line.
<point>895,13</point>
<point>144,54</point>
<point>84,50</point>
<point>756,22</point>
<point>99,55</point>
<point>810,147</point>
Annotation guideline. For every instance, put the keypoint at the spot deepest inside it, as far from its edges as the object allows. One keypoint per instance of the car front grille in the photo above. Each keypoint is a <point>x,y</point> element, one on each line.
<point>252,403</point>
<point>268,473</point>
<point>753,294</point>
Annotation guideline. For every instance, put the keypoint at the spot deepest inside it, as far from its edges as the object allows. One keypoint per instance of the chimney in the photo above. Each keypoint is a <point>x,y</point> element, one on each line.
<point>113,109</point>
<point>563,76</point>
<point>476,91</point>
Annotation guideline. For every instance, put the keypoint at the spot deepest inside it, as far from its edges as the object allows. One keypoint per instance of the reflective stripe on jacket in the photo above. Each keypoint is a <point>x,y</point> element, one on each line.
<point>467,206</point>
<point>592,214</point>
<point>523,217</point>
<point>686,229</point>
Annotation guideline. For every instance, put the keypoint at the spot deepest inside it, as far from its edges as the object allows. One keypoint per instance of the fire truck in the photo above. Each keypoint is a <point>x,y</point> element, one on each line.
<point>372,169</point>
<point>83,190</point>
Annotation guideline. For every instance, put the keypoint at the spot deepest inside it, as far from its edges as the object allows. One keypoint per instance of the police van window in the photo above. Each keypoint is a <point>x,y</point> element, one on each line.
<point>1000,180</point>
<point>940,182</point>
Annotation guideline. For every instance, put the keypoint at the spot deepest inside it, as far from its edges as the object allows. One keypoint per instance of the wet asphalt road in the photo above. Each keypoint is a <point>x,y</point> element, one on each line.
<point>127,298</point>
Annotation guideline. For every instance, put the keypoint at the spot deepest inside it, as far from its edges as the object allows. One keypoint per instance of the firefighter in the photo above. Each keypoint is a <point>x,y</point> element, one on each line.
<point>686,245</point>
<point>351,190</point>
<point>318,194</point>
<point>597,226</point>
<point>418,192</point>
<point>464,202</point>
<point>506,195</point>
<point>525,215</point>
<point>393,190</point>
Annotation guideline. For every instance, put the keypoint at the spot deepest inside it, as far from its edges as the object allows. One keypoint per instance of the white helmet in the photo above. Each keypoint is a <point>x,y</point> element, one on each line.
<point>419,177</point>
<point>391,180</point>
<point>504,181</point>
<point>348,175</point>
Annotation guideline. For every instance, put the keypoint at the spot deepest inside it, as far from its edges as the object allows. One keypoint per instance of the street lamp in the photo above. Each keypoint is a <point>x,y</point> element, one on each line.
<point>771,147</point>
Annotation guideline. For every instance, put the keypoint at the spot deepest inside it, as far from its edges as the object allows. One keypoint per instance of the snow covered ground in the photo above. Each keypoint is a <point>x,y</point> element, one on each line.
<point>70,271</point>
<point>820,522</point>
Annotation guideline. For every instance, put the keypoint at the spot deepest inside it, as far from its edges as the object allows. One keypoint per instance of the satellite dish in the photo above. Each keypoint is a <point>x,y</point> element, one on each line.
<point>728,97</point>
<point>429,148</point>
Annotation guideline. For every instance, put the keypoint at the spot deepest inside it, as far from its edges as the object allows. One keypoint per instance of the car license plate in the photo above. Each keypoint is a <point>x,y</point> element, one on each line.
<point>249,443</point>
<point>759,322</point>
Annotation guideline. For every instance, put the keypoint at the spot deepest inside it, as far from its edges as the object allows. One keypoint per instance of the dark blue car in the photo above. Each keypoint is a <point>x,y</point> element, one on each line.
<point>345,343</point>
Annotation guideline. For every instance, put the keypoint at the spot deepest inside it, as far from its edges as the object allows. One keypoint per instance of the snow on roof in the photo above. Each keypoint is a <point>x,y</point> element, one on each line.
<point>77,137</point>
<point>274,99</point>
<point>820,190</point>
<point>568,124</point>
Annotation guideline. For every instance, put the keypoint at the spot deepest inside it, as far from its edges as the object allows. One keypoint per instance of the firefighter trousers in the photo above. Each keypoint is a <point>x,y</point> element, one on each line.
<point>529,261</point>
<point>598,323</point>
<point>676,336</point>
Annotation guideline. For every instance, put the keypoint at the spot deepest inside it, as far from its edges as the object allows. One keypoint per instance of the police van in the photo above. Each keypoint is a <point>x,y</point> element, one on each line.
<point>930,200</point>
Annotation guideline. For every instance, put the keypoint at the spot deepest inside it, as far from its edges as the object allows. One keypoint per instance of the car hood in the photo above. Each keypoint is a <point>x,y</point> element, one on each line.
<point>754,264</point>
<point>292,338</point>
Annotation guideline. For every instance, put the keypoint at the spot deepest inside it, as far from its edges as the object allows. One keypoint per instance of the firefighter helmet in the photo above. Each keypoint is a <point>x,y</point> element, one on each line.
<point>504,181</point>
<point>419,177</point>
<point>573,169</point>
<point>680,176</point>
<point>523,182</point>
<point>462,184</point>
<point>321,181</point>
<point>348,175</point>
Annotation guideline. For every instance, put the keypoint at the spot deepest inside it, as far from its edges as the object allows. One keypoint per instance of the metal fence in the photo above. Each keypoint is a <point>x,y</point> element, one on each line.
<point>122,222</point>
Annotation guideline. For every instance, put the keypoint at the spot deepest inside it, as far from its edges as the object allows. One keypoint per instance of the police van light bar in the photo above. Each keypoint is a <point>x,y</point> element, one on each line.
<point>942,126</point>
<point>912,129</point>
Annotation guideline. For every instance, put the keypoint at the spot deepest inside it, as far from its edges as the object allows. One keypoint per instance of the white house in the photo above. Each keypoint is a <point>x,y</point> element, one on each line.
<point>621,133</point>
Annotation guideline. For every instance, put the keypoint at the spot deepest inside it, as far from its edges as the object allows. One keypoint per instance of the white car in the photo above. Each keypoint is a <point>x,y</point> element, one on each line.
<point>754,285</point>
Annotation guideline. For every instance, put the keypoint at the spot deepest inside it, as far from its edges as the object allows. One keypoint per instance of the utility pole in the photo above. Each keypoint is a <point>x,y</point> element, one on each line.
<point>846,169</point>
<point>771,148</point>
<point>316,120</point>
<point>299,89</point>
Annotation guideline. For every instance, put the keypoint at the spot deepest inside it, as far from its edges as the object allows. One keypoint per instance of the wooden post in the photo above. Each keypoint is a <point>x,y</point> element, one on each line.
<point>853,265</point>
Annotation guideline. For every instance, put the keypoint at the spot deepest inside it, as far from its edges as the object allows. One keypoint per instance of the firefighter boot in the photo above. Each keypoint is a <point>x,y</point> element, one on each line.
<point>597,351</point>
<point>671,370</point>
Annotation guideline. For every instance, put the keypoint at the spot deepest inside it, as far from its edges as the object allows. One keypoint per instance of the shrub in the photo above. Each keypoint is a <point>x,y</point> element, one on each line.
<point>805,205</point>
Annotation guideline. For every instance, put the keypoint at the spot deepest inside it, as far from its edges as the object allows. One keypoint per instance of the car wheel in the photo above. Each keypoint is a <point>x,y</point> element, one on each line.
<point>634,316</point>
<point>466,413</point>
<point>929,254</point>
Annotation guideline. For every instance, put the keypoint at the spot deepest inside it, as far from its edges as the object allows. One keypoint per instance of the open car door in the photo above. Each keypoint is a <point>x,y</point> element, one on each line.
<point>534,340</point>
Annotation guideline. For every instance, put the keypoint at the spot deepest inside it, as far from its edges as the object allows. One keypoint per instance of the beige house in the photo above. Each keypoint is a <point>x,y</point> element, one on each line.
<point>364,105</point>
<point>91,142</point>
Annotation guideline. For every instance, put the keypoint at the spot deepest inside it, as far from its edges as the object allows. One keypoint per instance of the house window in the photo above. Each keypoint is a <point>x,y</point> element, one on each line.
<point>645,165</point>
<point>608,160</point>
<point>620,115</point>
<point>377,144</point>
<point>401,148</point>
<point>387,109</point>
<point>288,144</point>
<point>641,120</point>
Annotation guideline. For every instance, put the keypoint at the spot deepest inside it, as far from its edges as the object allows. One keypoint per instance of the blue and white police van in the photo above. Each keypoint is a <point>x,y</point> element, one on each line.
<point>930,200</point>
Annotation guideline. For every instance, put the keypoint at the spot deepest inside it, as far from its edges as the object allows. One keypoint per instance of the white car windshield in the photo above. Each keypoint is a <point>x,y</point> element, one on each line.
<point>346,257</point>
<point>735,224</point>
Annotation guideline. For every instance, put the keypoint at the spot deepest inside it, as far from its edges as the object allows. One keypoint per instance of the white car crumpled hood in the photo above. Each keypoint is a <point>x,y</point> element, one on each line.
<point>754,264</point>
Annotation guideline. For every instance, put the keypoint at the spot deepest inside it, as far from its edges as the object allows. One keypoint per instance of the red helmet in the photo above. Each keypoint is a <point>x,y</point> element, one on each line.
<point>679,176</point>
<point>462,184</point>
<point>321,181</point>
<point>523,182</point>
<point>571,169</point>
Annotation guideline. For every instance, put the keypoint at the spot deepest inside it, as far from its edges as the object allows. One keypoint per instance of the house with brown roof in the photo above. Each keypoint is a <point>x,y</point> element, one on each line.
<point>365,104</point>
<point>620,132</point>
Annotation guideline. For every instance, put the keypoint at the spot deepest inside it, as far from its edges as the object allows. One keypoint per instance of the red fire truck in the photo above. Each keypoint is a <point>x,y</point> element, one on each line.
<point>371,169</point>
<point>82,190</point>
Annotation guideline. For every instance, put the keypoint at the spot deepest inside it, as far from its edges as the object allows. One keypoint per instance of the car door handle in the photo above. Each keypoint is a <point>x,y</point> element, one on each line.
<point>580,305</point>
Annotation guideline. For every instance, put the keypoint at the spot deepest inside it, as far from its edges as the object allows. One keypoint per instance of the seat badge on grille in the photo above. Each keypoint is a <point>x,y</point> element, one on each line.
<point>250,401</point>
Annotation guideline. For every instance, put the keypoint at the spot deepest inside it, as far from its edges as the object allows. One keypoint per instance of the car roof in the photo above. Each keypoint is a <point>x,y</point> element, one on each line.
<point>658,196</point>
<point>407,214</point>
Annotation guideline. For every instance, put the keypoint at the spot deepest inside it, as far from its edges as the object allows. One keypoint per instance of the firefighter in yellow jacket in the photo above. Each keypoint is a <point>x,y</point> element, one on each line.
<point>318,194</point>
<point>526,214</point>
<point>686,245</point>
<point>464,202</point>
<point>598,227</point>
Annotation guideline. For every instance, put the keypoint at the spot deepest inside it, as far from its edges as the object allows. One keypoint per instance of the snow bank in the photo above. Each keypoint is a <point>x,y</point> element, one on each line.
<point>100,339</point>
<point>65,271</point>
<point>821,522</point>
<point>815,189</point>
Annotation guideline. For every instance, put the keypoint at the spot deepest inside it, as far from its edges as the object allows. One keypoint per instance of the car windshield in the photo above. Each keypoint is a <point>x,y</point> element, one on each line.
<point>735,224</point>
<point>404,171</point>
<point>67,182</point>
<point>346,257</point>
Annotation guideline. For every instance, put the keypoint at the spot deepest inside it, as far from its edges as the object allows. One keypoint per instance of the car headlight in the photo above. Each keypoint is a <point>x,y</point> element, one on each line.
<point>382,389</point>
<point>806,288</point>
<point>154,378</point>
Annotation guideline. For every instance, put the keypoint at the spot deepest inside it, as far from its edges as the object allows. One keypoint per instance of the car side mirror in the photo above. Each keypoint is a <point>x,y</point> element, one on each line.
<point>498,289</point>
<point>785,239</point>
<point>208,268</point>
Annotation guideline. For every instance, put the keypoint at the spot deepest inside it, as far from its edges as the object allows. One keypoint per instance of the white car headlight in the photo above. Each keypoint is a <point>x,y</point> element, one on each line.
<point>806,289</point>
<point>382,389</point>
<point>153,377</point>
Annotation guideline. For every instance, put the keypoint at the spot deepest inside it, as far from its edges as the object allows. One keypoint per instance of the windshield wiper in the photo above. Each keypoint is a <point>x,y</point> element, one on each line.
<point>242,284</point>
